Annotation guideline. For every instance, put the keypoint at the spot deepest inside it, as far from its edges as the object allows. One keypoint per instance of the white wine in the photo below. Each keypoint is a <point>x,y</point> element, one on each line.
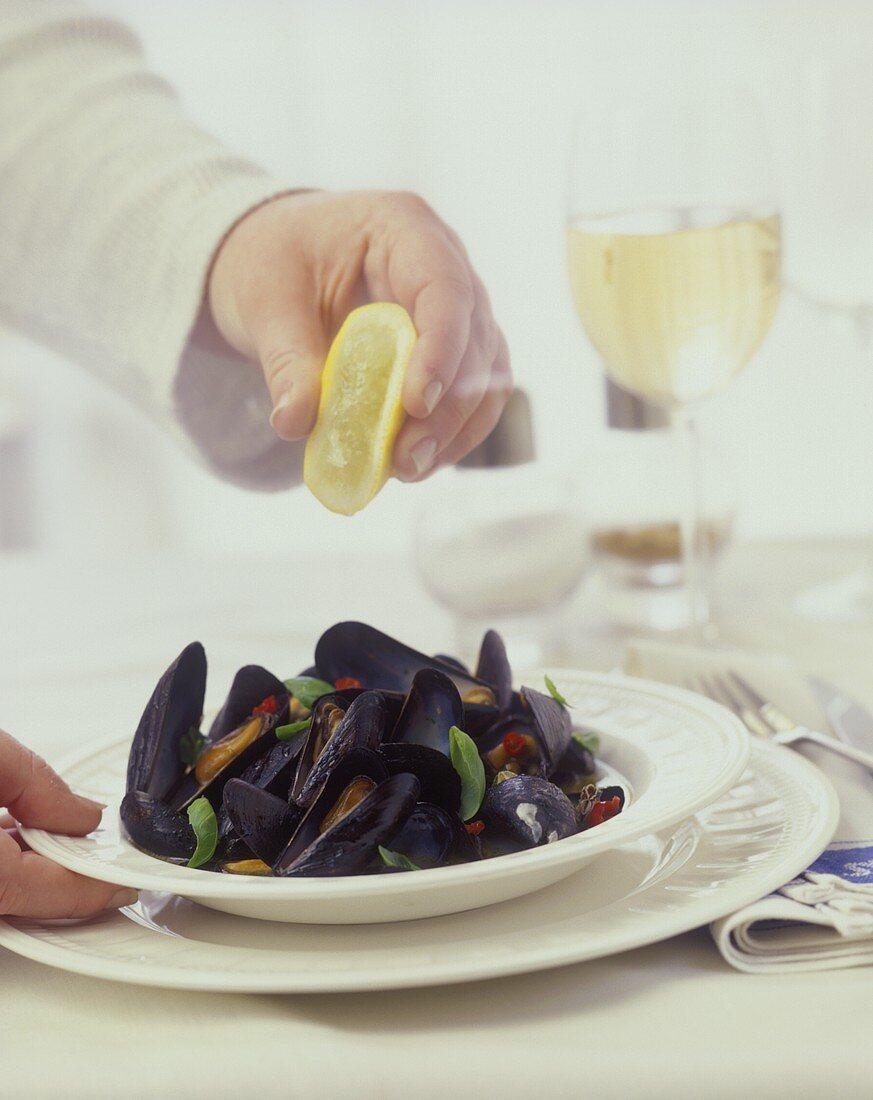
<point>675,314</point>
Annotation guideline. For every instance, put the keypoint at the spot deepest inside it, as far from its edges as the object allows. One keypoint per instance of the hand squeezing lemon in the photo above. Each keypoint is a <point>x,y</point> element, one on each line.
<point>348,454</point>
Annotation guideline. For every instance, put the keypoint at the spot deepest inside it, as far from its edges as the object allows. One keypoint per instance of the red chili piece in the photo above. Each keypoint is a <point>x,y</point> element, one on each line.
<point>603,811</point>
<point>514,744</point>
<point>474,828</point>
<point>347,682</point>
<point>269,706</point>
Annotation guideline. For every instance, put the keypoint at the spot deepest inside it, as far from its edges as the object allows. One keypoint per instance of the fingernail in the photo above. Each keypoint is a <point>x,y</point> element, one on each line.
<point>121,898</point>
<point>432,393</point>
<point>283,403</point>
<point>93,802</point>
<point>423,454</point>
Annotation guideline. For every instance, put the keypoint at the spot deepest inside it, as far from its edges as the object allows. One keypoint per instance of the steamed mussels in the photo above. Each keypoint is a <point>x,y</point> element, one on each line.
<point>377,759</point>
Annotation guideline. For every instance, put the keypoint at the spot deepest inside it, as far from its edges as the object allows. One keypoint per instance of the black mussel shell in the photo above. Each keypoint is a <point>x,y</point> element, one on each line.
<point>363,726</point>
<point>191,787</point>
<point>530,810</point>
<point>575,769</point>
<point>512,724</point>
<point>479,718</point>
<point>176,705</point>
<point>553,725</point>
<point>349,845</point>
<point>311,672</point>
<point>316,727</point>
<point>251,686</point>
<point>273,771</point>
<point>261,820</point>
<point>439,781</point>
<point>430,837</point>
<point>445,659</point>
<point>155,828</point>
<point>432,707</point>
<point>493,668</point>
<point>377,660</point>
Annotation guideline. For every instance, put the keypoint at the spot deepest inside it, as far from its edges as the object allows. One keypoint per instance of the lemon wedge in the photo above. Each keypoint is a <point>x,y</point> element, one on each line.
<point>348,454</point>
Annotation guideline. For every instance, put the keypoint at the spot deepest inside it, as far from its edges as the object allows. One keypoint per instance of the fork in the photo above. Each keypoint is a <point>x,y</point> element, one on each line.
<point>765,719</point>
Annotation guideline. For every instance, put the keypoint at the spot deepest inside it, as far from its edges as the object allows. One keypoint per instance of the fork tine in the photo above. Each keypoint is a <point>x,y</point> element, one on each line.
<point>717,688</point>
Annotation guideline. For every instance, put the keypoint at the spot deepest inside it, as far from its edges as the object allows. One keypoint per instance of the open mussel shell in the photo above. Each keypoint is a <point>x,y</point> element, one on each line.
<point>154,827</point>
<point>347,846</point>
<point>260,820</point>
<point>553,725</point>
<point>439,781</point>
<point>432,707</point>
<point>493,668</point>
<point>272,771</point>
<point>362,727</point>
<point>250,687</point>
<point>378,660</point>
<point>175,706</point>
<point>253,736</point>
<point>529,810</point>
<point>430,837</point>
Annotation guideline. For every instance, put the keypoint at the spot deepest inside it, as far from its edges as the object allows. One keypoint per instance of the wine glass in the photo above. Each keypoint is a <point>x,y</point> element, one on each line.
<point>674,252</point>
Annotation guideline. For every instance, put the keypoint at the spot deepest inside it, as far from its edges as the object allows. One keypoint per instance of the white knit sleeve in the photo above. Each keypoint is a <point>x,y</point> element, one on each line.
<point>112,205</point>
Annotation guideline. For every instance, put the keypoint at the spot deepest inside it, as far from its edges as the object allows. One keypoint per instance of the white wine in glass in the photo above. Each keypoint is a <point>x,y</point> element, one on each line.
<point>674,254</point>
<point>676,312</point>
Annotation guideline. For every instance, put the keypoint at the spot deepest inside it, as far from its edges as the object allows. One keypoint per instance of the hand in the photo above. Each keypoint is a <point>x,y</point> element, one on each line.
<point>288,274</point>
<point>31,886</point>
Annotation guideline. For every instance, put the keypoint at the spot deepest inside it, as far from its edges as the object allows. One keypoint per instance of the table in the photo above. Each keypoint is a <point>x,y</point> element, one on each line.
<point>671,1020</point>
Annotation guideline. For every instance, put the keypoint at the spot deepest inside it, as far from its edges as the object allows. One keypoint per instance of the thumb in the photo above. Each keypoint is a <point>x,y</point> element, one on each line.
<point>291,347</point>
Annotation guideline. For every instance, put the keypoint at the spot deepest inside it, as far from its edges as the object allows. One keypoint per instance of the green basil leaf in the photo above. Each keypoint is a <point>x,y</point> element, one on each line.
<point>307,689</point>
<point>555,694</point>
<point>191,745</point>
<point>587,740</point>
<point>468,764</point>
<point>205,825</point>
<point>397,859</point>
<point>285,733</point>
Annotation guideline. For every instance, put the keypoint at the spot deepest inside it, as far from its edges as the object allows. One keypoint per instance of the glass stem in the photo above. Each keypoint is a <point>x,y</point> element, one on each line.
<point>694,556</point>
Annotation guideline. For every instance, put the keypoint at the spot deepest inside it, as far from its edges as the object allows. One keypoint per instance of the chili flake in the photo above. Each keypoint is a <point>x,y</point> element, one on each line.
<point>269,706</point>
<point>474,828</point>
<point>514,744</point>
<point>603,811</point>
<point>347,682</point>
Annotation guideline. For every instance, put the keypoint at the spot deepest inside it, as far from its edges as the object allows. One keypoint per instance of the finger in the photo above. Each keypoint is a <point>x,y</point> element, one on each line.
<point>427,275</point>
<point>291,344</point>
<point>7,821</point>
<point>34,795</point>
<point>31,886</point>
<point>421,442</point>
<point>486,416</point>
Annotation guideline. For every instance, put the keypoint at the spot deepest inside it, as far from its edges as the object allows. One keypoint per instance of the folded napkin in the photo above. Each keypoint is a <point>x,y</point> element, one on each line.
<point>823,918</point>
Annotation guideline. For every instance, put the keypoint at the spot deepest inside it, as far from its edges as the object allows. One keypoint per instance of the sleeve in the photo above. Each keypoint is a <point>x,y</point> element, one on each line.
<point>112,206</point>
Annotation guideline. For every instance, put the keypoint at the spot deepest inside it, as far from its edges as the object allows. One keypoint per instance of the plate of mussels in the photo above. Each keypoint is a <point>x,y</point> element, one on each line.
<point>382,784</point>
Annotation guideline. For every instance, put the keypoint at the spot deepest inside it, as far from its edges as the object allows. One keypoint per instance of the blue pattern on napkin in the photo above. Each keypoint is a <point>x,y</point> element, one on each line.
<point>853,862</point>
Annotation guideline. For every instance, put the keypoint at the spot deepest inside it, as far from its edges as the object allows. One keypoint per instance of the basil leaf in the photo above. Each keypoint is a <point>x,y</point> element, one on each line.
<point>468,764</point>
<point>285,733</point>
<point>397,859</point>
<point>307,689</point>
<point>587,740</point>
<point>555,694</point>
<point>191,745</point>
<point>205,825</point>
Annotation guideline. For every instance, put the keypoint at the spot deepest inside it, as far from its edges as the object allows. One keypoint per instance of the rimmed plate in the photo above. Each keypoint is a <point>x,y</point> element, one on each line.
<point>676,751</point>
<point>770,826</point>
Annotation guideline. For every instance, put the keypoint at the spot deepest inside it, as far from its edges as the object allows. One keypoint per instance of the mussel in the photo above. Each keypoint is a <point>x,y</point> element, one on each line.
<point>431,837</point>
<point>493,668</point>
<point>439,781</point>
<point>331,736</point>
<point>432,707</point>
<point>357,809</point>
<point>252,686</point>
<point>262,821</point>
<point>155,828</point>
<point>529,810</point>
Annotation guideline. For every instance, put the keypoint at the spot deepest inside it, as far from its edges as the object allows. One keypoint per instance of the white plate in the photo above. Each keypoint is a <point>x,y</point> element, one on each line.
<point>773,823</point>
<point>677,751</point>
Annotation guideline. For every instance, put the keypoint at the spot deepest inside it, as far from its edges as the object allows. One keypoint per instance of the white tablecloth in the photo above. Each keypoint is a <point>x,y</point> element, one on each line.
<point>671,1020</point>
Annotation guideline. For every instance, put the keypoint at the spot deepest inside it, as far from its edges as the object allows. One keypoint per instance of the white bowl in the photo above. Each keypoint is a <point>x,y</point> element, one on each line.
<point>676,751</point>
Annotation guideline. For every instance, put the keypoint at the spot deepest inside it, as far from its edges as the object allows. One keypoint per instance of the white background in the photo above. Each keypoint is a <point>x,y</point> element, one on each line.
<point>470,103</point>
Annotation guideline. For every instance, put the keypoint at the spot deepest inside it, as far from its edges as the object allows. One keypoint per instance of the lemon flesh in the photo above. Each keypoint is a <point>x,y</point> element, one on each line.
<point>348,454</point>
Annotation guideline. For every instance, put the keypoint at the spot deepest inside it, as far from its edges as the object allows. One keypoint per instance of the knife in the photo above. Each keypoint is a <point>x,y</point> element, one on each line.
<point>851,722</point>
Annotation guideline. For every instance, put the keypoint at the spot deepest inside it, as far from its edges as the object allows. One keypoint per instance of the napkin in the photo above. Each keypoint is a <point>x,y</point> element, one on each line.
<point>823,918</point>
